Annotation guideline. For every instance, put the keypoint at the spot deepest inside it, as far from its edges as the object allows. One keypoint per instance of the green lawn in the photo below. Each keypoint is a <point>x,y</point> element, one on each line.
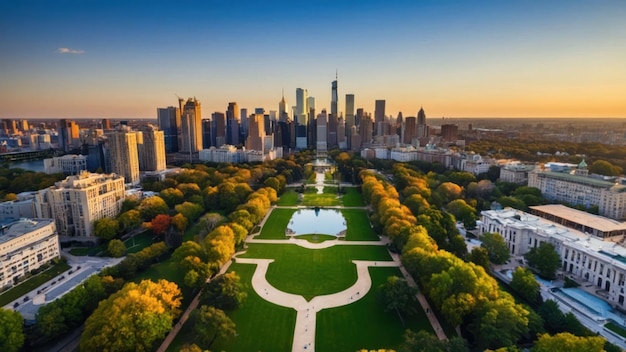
<point>91,251</point>
<point>261,326</point>
<point>358,223</point>
<point>141,241</point>
<point>364,324</point>
<point>352,197</point>
<point>321,200</point>
<point>616,328</point>
<point>289,198</point>
<point>313,272</point>
<point>275,225</point>
<point>32,283</point>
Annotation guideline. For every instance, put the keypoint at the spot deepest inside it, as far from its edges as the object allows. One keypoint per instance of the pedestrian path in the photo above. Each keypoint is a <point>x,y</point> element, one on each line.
<point>304,331</point>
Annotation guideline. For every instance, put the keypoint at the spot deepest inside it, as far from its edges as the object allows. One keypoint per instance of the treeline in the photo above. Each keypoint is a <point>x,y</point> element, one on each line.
<point>465,294</point>
<point>16,180</point>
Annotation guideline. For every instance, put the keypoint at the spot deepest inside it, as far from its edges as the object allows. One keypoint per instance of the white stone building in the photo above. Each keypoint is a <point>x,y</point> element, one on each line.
<point>76,202</point>
<point>25,245</point>
<point>69,164</point>
<point>516,173</point>
<point>585,257</point>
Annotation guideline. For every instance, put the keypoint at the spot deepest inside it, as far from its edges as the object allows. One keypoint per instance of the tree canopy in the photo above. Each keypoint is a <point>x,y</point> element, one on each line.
<point>545,259</point>
<point>11,331</point>
<point>495,245</point>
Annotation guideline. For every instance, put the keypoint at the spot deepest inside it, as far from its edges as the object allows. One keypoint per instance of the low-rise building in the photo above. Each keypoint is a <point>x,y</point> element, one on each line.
<point>25,245</point>
<point>69,164</point>
<point>586,257</point>
<point>516,173</point>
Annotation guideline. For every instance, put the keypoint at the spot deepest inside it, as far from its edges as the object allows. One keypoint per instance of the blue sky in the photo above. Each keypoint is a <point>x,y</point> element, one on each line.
<point>110,59</point>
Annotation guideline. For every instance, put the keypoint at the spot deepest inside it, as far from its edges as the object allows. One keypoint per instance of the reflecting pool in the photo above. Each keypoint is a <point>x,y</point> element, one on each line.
<point>317,221</point>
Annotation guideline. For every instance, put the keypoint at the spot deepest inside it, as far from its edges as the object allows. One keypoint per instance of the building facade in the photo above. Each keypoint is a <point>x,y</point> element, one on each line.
<point>69,164</point>
<point>76,202</point>
<point>123,154</point>
<point>25,245</point>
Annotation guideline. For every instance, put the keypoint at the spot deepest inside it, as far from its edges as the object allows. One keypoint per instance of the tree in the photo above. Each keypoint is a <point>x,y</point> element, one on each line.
<point>450,191</point>
<point>190,210</point>
<point>208,222</point>
<point>398,296</point>
<point>225,292</point>
<point>525,284</point>
<point>129,220</point>
<point>422,341</point>
<point>566,342</point>
<point>172,196</point>
<point>11,330</point>
<point>497,248</point>
<point>105,228</point>
<point>605,168</point>
<point>160,224</point>
<point>151,207</point>
<point>463,212</point>
<point>212,323</point>
<point>479,256</point>
<point>499,323</point>
<point>545,259</point>
<point>116,248</point>
<point>133,318</point>
<point>180,222</point>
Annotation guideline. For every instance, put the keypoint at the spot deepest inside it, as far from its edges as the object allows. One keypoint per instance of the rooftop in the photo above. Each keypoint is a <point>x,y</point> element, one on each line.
<point>581,179</point>
<point>580,217</point>
<point>22,226</point>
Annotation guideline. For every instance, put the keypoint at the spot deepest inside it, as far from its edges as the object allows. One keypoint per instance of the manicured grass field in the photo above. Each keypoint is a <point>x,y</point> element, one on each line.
<point>321,200</point>
<point>313,272</point>
<point>352,198</point>
<point>261,326</point>
<point>288,198</point>
<point>141,241</point>
<point>364,324</point>
<point>274,228</point>
<point>358,223</point>
<point>616,328</point>
<point>32,283</point>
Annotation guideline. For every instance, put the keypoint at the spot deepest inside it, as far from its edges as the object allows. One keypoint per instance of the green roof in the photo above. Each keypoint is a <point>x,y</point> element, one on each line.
<point>579,179</point>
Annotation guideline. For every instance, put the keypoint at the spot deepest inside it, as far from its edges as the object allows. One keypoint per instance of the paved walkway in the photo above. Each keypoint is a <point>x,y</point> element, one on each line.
<point>304,331</point>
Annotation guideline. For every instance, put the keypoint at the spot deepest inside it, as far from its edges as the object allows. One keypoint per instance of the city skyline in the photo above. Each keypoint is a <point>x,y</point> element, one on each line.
<point>75,59</point>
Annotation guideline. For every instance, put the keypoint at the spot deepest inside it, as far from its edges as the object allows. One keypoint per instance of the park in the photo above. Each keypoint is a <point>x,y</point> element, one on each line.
<point>315,291</point>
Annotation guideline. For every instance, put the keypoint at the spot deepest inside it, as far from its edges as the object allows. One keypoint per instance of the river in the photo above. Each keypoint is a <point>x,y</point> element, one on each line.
<point>31,165</point>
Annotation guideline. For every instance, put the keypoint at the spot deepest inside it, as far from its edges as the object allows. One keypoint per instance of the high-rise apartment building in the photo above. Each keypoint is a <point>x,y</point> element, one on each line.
<point>410,130</point>
<point>76,202</point>
<point>219,121</point>
<point>350,118</point>
<point>191,124</point>
<point>256,132</point>
<point>153,149</point>
<point>449,132</point>
<point>302,120</point>
<point>170,124</point>
<point>123,154</point>
<point>365,127</point>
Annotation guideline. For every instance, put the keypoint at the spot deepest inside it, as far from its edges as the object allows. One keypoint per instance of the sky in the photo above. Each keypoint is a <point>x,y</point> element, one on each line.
<point>125,59</point>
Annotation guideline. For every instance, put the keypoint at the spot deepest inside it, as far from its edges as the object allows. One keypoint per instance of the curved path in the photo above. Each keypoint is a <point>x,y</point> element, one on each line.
<point>304,332</point>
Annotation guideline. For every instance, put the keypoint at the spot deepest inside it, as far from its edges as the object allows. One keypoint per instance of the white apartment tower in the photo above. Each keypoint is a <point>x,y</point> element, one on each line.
<point>123,154</point>
<point>154,149</point>
<point>76,202</point>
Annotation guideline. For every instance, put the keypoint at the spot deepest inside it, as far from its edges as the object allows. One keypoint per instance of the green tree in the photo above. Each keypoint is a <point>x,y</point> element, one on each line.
<point>116,248</point>
<point>463,212</point>
<point>605,168</point>
<point>398,296</point>
<point>500,323</point>
<point>190,210</point>
<point>106,228</point>
<point>225,292</point>
<point>545,259</point>
<point>422,341</point>
<point>212,323</point>
<point>172,196</point>
<point>129,220</point>
<point>525,284</point>
<point>133,318</point>
<point>497,248</point>
<point>11,331</point>
<point>479,256</point>
<point>566,342</point>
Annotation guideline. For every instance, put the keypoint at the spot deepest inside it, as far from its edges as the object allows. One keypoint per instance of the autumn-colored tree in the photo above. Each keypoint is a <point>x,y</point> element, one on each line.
<point>566,342</point>
<point>150,207</point>
<point>133,318</point>
<point>160,224</point>
<point>172,196</point>
<point>225,292</point>
<point>190,210</point>
<point>129,220</point>
<point>180,222</point>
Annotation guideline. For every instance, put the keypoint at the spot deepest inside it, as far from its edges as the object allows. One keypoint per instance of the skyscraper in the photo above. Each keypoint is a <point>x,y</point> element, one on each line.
<point>123,155</point>
<point>153,149</point>
<point>283,109</point>
<point>219,121</point>
<point>322,145</point>
<point>256,132</point>
<point>334,98</point>
<point>379,118</point>
<point>301,118</point>
<point>349,112</point>
<point>410,130</point>
<point>232,124</point>
<point>169,123</point>
<point>191,125</point>
<point>422,129</point>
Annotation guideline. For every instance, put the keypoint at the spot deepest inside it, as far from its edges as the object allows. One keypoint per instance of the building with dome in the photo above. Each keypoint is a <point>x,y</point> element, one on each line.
<point>576,187</point>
